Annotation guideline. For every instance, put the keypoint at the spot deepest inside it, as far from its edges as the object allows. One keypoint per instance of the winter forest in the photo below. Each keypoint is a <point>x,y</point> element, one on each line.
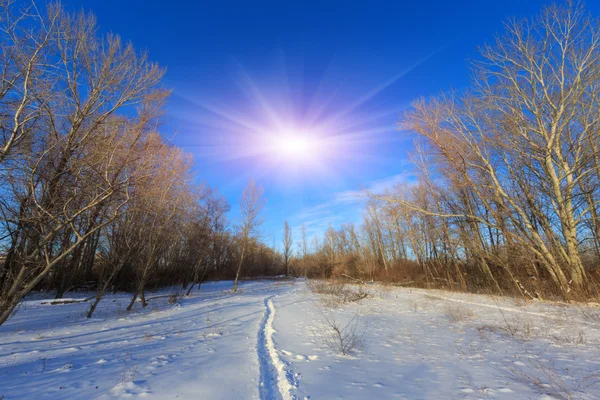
<point>479,278</point>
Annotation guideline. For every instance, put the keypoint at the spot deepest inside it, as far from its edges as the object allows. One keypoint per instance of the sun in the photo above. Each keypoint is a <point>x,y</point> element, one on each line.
<point>294,146</point>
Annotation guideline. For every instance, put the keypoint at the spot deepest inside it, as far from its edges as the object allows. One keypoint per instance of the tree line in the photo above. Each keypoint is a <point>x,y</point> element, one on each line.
<point>508,192</point>
<point>92,196</point>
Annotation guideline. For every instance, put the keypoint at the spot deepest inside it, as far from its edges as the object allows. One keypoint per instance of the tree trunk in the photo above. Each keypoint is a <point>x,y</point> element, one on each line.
<point>143,298</point>
<point>239,269</point>
<point>7,307</point>
<point>95,304</point>
<point>130,306</point>
<point>190,289</point>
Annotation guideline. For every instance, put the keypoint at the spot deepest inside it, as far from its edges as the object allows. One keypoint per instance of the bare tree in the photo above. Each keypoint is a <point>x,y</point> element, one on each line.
<point>165,194</point>
<point>74,176</point>
<point>509,188</point>
<point>207,229</point>
<point>251,203</point>
<point>514,158</point>
<point>28,40</point>
<point>304,243</point>
<point>287,247</point>
<point>92,195</point>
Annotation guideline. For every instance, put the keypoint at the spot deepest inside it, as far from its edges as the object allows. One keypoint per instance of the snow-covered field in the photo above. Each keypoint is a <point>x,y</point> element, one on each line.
<point>273,340</point>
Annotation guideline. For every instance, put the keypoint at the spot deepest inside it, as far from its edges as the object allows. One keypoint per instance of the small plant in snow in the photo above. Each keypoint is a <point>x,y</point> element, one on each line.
<point>545,378</point>
<point>43,360</point>
<point>334,293</point>
<point>346,339</point>
<point>576,338</point>
<point>458,314</point>
<point>128,374</point>
<point>413,306</point>
<point>590,314</point>
<point>327,287</point>
<point>174,298</point>
<point>518,328</point>
<point>360,294</point>
<point>212,329</point>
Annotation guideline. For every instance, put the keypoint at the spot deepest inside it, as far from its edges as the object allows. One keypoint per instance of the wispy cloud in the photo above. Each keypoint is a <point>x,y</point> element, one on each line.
<point>345,206</point>
<point>376,187</point>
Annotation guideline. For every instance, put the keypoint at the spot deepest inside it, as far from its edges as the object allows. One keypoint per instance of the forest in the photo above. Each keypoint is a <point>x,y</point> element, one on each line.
<point>92,196</point>
<point>357,212</point>
<point>95,197</point>
<point>507,196</point>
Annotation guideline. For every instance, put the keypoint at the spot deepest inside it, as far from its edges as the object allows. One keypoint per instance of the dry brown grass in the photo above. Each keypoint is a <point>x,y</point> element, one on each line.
<point>458,313</point>
<point>523,328</point>
<point>546,379</point>
<point>413,306</point>
<point>334,293</point>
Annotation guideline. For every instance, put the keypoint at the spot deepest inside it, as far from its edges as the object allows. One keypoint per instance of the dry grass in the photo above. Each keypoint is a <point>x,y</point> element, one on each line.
<point>174,298</point>
<point>516,330</point>
<point>590,314</point>
<point>458,313</point>
<point>333,288</point>
<point>413,306</point>
<point>546,379</point>
<point>520,302</point>
<point>334,293</point>
<point>576,338</point>
<point>524,328</point>
<point>384,291</point>
<point>128,374</point>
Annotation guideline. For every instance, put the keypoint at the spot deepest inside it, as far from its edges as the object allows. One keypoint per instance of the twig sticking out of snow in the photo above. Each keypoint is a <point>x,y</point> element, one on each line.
<point>345,339</point>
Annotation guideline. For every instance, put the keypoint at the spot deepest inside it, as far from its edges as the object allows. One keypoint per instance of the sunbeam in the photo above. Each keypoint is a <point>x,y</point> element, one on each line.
<point>275,129</point>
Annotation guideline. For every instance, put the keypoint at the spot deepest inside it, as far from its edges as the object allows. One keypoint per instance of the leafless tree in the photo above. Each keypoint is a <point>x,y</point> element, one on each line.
<point>508,191</point>
<point>28,40</point>
<point>251,203</point>
<point>304,243</point>
<point>73,176</point>
<point>287,247</point>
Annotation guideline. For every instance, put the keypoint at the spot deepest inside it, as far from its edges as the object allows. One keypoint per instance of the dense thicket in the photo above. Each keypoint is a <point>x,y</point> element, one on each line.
<point>91,194</point>
<point>508,195</point>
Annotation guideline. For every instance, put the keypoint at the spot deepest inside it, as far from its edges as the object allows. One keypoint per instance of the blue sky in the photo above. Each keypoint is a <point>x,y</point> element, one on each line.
<point>342,72</point>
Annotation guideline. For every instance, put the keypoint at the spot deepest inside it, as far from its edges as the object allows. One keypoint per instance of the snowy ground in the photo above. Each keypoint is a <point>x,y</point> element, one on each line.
<point>272,341</point>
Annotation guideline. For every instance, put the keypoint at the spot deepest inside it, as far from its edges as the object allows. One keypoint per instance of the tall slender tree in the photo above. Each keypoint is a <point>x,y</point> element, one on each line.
<point>288,242</point>
<point>251,203</point>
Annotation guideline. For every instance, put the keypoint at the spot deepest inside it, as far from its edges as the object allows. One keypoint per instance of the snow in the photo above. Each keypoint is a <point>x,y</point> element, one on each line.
<point>272,368</point>
<point>271,341</point>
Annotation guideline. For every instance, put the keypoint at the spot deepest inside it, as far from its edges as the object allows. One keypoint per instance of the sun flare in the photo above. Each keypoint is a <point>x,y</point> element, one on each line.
<point>294,146</point>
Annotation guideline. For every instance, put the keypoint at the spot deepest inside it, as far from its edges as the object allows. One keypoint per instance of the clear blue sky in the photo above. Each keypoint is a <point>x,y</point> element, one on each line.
<point>339,72</point>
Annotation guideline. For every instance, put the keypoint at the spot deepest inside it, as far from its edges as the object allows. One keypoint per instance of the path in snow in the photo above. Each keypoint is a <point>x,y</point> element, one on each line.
<point>274,383</point>
<point>258,343</point>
